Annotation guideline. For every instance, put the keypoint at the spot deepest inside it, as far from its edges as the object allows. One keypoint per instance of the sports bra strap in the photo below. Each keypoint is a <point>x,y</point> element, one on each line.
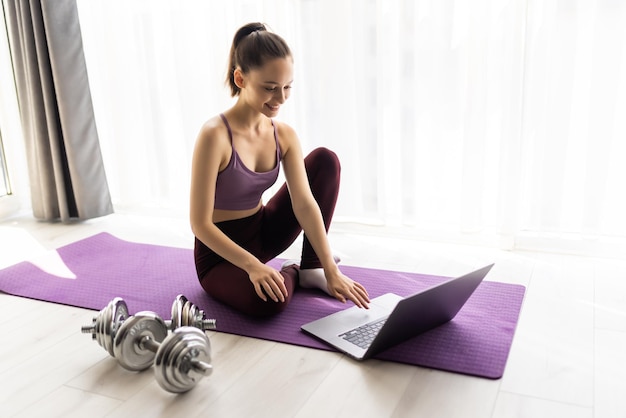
<point>230,132</point>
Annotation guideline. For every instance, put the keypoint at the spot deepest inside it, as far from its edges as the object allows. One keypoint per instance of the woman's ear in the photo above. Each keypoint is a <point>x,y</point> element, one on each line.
<point>239,78</point>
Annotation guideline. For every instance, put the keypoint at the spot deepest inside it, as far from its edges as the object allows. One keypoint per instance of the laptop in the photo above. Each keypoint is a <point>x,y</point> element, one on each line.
<point>392,319</point>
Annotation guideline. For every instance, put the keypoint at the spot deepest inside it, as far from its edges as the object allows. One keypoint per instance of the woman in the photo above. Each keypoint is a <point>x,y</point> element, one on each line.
<point>236,158</point>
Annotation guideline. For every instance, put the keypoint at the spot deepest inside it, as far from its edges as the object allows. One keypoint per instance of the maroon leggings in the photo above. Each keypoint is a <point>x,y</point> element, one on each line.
<point>267,234</point>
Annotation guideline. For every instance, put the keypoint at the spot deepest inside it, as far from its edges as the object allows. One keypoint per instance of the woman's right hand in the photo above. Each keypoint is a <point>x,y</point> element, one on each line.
<point>268,282</point>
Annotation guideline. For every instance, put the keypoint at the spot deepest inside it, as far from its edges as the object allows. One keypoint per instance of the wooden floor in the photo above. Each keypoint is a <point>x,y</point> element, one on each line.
<point>567,358</point>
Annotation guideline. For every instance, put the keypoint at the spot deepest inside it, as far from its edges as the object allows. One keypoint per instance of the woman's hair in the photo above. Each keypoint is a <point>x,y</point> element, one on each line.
<point>252,46</point>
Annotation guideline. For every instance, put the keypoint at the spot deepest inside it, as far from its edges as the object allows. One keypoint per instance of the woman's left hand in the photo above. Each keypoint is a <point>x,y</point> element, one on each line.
<point>344,288</point>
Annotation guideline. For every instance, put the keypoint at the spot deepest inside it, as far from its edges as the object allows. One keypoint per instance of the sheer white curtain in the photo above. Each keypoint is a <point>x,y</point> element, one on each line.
<point>574,130</point>
<point>480,121</point>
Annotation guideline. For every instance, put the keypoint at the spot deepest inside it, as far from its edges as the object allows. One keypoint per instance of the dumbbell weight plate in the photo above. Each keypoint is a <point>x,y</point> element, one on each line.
<point>128,348</point>
<point>108,322</point>
<point>177,311</point>
<point>195,316</point>
<point>186,314</point>
<point>174,369</point>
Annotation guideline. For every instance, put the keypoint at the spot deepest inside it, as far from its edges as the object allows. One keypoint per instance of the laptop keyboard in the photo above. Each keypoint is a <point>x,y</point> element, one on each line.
<point>364,335</point>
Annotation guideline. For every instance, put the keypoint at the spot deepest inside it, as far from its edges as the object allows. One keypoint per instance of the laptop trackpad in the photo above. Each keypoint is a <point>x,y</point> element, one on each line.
<point>342,321</point>
<point>387,301</point>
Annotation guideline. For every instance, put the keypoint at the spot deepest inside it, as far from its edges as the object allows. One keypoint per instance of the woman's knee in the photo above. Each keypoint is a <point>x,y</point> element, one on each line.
<point>326,158</point>
<point>240,295</point>
<point>251,304</point>
<point>259,307</point>
<point>269,308</point>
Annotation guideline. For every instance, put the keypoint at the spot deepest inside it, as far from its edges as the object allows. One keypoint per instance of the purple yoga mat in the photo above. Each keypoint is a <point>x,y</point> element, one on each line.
<point>148,277</point>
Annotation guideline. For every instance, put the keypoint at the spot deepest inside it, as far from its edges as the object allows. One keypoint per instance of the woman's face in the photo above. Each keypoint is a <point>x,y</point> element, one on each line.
<point>266,88</point>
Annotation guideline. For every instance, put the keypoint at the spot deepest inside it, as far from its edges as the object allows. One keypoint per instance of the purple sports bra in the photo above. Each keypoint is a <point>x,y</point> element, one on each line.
<point>238,187</point>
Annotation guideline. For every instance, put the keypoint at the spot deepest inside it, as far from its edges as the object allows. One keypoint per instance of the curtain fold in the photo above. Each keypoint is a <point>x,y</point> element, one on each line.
<point>66,172</point>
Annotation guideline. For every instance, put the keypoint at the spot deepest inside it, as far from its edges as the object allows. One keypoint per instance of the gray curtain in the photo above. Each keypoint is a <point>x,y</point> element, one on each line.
<point>66,171</point>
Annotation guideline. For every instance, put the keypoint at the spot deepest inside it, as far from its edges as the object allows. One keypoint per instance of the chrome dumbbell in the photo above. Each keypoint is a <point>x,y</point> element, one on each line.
<point>186,314</point>
<point>105,325</point>
<point>180,359</point>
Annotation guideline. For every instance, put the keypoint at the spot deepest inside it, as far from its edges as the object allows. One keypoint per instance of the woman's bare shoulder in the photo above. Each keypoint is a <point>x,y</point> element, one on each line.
<point>212,130</point>
<point>287,136</point>
<point>213,143</point>
<point>284,129</point>
<point>213,137</point>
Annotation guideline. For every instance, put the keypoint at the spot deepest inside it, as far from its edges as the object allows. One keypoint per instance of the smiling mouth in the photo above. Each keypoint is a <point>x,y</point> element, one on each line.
<point>273,108</point>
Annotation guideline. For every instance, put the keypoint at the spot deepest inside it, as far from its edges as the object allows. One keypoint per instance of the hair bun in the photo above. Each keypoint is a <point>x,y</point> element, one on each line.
<point>252,28</point>
<point>248,29</point>
<point>260,28</point>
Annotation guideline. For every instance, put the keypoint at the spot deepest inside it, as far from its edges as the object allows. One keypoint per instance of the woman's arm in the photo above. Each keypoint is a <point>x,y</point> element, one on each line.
<point>309,216</point>
<point>211,153</point>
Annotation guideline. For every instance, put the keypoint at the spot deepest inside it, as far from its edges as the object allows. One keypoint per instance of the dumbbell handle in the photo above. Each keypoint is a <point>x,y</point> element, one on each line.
<point>148,343</point>
<point>204,324</point>
<point>88,329</point>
